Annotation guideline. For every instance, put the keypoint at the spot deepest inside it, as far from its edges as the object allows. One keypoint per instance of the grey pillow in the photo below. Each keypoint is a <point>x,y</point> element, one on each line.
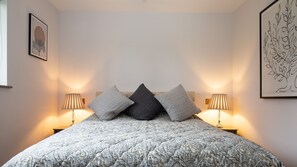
<point>178,104</point>
<point>110,103</point>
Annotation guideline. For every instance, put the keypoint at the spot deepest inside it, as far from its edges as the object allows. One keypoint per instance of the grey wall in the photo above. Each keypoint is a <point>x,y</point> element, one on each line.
<point>268,122</point>
<point>28,111</point>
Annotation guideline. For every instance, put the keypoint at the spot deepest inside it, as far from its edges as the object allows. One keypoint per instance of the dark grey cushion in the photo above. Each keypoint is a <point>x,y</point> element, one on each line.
<point>110,103</point>
<point>146,106</point>
<point>178,104</point>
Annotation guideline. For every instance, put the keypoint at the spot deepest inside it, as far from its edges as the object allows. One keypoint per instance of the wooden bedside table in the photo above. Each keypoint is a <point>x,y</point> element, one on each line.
<point>58,129</point>
<point>231,130</point>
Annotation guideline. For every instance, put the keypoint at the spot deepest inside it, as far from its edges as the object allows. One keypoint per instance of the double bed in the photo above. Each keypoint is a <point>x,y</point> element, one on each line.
<point>125,141</point>
<point>144,134</point>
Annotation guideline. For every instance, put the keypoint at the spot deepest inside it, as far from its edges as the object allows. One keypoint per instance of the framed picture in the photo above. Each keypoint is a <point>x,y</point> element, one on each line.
<point>38,38</point>
<point>278,50</point>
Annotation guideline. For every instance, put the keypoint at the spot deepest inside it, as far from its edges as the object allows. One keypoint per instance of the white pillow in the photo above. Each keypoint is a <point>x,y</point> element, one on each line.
<point>110,103</point>
<point>178,104</point>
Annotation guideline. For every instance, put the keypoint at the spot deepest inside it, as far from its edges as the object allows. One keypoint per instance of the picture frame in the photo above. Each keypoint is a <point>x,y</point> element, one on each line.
<point>38,38</point>
<point>278,50</point>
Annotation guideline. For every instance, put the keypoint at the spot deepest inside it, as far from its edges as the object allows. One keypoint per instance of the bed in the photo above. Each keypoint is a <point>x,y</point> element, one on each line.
<point>125,141</point>
<point>146,129</point>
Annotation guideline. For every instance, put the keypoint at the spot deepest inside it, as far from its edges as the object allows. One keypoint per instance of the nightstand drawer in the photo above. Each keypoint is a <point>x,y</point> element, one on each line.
<point>56,130</point>
<point>231,130</point>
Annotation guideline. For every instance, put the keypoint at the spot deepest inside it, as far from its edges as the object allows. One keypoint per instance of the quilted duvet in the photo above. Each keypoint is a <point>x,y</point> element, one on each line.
<point>128,142</point>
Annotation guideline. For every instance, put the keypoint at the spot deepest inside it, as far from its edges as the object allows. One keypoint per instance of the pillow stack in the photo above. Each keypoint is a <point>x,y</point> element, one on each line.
<point>143,105</point>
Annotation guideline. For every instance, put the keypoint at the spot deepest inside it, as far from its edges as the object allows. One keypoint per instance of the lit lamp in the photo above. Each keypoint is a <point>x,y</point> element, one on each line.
<point>219,102</point>
<point>73,101</point>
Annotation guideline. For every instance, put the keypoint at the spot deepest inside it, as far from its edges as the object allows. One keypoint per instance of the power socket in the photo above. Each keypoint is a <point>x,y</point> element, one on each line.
<point>207,101</point>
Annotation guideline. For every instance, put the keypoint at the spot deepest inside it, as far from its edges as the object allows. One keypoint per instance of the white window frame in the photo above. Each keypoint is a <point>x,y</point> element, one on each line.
<point>3,43</point>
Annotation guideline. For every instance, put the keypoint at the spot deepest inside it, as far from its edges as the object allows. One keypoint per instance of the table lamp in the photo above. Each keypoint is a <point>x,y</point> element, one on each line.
<point>73,101</point>
<point>219,102</point>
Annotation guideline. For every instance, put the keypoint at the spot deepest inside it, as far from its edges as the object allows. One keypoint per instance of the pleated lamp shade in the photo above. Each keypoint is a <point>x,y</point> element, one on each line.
<point>73,101</point>
<point>219,102</point>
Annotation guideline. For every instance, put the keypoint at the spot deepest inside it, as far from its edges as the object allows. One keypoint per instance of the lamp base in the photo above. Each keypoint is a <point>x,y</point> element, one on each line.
<point>219,125</point>
<point>219,120</point>
<point>72,121</point>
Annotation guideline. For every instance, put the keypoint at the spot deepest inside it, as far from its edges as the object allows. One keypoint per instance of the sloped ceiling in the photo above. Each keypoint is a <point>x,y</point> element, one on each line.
<point>180,6</point>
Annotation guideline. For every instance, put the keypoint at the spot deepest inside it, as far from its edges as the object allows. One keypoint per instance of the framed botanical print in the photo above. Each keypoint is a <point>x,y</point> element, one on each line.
<point>278,50</point>
<point>38,38</point>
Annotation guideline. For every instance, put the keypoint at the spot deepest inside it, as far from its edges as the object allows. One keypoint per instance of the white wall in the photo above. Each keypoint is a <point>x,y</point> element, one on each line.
<point>160,50</point>
<point>268,122</point>
<point>28,111</point>
<point>97,50</point>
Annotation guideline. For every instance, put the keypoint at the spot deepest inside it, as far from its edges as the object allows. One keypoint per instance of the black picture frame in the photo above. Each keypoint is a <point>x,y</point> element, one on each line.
<point>38,38</point>
<point>278,50</point>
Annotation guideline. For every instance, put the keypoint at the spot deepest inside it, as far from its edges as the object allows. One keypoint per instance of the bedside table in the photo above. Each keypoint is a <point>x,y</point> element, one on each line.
<point>231,130</point>
<point>56,130</point>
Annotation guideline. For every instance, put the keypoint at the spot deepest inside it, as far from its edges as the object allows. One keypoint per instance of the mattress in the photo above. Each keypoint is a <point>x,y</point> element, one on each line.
<point>125,141</point>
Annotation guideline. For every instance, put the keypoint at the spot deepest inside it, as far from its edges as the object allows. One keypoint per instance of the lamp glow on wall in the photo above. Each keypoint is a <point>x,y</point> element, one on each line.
<point>219,102</point>
<point>73,101</point>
